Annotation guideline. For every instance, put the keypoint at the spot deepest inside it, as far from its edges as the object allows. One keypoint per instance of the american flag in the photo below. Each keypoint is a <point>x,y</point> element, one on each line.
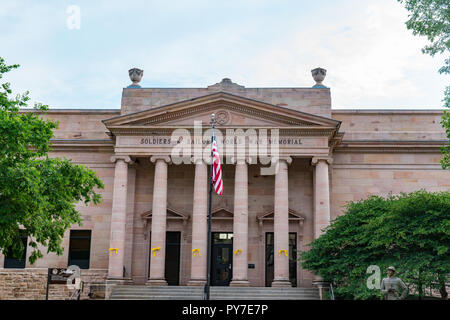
<point>217,172</point>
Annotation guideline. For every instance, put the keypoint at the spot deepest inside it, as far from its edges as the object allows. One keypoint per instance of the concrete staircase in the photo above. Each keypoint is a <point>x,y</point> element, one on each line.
<point>141,292</point>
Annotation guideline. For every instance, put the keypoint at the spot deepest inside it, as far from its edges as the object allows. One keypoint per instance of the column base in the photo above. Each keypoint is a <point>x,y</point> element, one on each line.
<point>156,282</point>
<point>239,283</point>
<point>196,283</point>
<point>281,284</point>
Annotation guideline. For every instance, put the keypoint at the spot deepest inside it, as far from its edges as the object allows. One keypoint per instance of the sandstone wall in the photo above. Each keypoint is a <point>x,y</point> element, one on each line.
<point>315,101</point>
<point>393,125</point>
<point>79,124</point>
<point>356,176</point>
<point>31,284</point>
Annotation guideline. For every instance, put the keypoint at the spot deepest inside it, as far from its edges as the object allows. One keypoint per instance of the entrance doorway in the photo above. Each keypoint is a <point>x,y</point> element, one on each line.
<point>292,258</point>
<point>172,262</point>
<point>221,258</point>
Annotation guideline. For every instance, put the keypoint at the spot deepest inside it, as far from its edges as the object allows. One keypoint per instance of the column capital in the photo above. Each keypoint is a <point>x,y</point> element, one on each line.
<point>196,160</point>
<point>166,158</point>
<point>288,160</point>
<point>315,160</point>
<point>127,159</point>
<point>241,160</point>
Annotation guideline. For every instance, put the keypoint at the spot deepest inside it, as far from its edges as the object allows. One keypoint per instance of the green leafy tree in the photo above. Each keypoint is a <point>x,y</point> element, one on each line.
<point>408,231</point>
<point>431,18</point>
<point>38,194</point>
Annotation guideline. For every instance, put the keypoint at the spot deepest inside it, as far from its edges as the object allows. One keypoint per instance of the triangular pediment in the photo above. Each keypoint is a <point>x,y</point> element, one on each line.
<point>293,216</point>
<point>221,213</point>
<point>230,111</point>
<point>171,214</point>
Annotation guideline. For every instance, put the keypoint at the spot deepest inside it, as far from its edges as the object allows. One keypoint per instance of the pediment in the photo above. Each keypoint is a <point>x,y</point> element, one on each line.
<point>230,110</point>
<point>222,214</point>
<point>171,214</point>
<point>293,216</point>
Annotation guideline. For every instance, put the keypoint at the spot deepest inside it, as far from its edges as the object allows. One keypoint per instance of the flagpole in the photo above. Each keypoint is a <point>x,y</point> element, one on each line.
<point>208,254</point>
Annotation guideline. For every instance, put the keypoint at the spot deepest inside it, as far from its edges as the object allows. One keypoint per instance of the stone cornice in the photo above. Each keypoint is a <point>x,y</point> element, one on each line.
<point>287,131</point>
<point>85,145</point>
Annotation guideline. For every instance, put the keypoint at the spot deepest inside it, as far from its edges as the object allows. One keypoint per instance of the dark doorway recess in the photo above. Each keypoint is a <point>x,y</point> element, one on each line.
<point>292,258</point>
<point>221,258</point>
<point>172,273</point>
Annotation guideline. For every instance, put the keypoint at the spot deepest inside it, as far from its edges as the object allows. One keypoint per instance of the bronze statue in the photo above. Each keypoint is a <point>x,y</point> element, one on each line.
<point>391,286</point>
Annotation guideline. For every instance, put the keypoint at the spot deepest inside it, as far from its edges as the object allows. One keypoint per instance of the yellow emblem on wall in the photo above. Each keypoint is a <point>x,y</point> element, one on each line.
<point>111,250</point>
<point>154,250</point>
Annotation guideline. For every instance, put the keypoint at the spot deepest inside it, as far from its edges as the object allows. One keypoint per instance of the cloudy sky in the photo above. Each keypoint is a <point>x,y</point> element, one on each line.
<point>373,61</point>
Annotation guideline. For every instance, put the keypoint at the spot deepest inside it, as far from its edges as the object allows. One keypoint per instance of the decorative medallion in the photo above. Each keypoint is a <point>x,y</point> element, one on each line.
<point>222,117</point>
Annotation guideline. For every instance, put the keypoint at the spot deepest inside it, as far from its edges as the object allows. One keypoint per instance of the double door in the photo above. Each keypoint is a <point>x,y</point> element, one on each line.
<point>221,258</point>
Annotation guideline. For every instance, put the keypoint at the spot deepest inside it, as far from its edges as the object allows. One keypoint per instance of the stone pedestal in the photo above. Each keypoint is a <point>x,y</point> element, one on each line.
<point>159,220</point>
<point>281,226</point>
<point>199,225</point>
<point>240,226</point>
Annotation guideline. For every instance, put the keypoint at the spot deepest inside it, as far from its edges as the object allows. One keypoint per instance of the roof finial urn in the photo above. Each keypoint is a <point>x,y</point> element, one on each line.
<point>318,75</point>
<point>135,77</point>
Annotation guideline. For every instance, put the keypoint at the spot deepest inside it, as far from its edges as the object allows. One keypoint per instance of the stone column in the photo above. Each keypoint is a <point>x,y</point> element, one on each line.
<point>118,218</point>
<point>321,204</point>
<point>199,225</point>
<point>159,216</point>
<point>321,195</point>
<point>129,227</point>
<point>281,225</point>
<point>240,226</point>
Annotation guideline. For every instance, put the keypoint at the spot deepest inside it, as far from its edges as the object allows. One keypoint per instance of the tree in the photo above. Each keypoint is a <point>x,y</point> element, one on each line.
<point>431,18</point>
<point>408,231</point>
<point>37,193</point>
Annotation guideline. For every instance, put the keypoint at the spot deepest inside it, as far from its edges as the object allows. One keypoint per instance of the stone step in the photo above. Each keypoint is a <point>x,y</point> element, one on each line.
<point>215,289</point>
<point>211,298</point>
<point>142,292</point>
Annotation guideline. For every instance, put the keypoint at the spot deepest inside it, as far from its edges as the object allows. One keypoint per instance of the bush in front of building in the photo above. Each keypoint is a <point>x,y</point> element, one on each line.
<point>409,231</point>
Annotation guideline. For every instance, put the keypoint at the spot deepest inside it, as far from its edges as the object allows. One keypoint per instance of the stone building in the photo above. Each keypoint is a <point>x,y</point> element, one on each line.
<point>151,227</point>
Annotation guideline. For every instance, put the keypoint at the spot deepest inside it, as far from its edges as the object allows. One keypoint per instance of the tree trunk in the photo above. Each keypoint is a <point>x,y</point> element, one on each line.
<point>442,289</point>
<point>419,287</point>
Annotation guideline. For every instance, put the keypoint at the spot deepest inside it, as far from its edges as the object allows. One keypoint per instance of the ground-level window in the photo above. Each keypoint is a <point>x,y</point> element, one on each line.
<point>80,248</point>
<point>14,262</point>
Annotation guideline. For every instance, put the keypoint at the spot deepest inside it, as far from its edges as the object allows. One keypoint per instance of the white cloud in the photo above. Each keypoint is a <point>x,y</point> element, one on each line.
<point>371,58</point>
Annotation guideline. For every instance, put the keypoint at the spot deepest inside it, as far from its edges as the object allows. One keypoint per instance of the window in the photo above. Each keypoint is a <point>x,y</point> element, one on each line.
<point>11,262</point>
<point>80,248</point>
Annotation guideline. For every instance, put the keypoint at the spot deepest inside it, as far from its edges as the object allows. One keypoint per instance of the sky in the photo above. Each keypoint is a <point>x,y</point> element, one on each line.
<point>372,60</point>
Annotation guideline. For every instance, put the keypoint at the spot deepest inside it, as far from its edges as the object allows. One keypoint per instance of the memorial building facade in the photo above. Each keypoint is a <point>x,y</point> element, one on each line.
<point>300,163</point>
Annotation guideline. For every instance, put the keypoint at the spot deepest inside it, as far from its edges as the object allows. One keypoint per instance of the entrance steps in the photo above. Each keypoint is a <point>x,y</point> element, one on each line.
<point>142,292</point>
